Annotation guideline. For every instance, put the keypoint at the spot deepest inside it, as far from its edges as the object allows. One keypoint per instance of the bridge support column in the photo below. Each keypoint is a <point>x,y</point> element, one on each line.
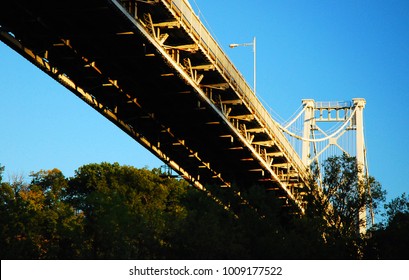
<point>359,103</point>
<point>308,122</point>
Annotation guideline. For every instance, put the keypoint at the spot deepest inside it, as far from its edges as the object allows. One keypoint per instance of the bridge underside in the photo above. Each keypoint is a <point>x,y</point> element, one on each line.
<point>147,75</point>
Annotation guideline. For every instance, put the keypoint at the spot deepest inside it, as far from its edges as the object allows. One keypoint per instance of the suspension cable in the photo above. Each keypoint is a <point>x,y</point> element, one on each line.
<point>318,140</point>
<point>293,120</point>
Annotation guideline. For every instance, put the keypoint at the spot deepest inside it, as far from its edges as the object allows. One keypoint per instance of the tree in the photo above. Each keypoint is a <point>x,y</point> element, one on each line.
<point>35,220</point>
<point>14,241</point>
<point>108,211</point>
<point>60,224</point>
<point>390,240</point>
<point>335,207</point>
<point>397,206</point>
<point>1,173</point>
<point>128,212</point>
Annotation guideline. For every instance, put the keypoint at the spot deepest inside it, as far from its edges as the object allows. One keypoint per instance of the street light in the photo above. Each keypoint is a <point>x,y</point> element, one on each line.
<point>254,53</point>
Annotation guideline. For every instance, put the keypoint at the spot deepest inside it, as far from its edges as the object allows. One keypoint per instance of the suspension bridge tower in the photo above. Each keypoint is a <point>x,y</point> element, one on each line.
<point>331,129</point>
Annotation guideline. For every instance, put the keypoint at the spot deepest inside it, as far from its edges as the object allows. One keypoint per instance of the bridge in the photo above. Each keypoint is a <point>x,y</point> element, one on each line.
<point>152,68</point>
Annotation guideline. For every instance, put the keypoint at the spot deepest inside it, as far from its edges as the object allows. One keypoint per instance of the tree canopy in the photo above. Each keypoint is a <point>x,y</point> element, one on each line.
<point>109,211</point>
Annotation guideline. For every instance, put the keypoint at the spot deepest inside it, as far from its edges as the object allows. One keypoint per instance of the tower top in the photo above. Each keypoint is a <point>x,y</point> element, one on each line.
<point>359,102</point>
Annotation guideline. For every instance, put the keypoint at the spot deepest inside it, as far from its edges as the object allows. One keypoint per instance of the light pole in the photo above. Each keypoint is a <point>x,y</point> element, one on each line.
<point>254,53</point>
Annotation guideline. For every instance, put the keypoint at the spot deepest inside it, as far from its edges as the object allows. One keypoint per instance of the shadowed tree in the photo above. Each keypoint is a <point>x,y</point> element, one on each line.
<point>35,221</point>
<point>128,212</point>
<point>108,211</point>
<point>334,208</point>
<point>390,240</point>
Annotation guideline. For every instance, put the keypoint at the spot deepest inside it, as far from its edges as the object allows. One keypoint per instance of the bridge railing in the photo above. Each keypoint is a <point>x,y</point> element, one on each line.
<point>333,104</point>
<point>208,45</point>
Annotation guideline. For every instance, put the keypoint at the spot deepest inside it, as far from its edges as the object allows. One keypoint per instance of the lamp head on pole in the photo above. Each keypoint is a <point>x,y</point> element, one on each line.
<point>254,51</point>
<point>234,45</point>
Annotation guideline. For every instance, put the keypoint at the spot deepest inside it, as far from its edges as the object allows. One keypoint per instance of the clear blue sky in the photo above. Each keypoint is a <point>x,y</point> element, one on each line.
<point>324,50</point>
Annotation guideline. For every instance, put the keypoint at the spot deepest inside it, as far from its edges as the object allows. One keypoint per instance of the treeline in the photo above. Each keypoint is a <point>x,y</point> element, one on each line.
<point>109,211</point>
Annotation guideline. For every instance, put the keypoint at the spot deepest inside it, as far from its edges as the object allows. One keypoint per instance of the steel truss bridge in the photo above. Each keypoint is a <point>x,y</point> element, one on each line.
<point>152,68</point>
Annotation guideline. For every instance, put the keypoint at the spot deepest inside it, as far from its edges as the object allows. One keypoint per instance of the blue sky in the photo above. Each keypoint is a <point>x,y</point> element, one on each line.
<point>324,50</point>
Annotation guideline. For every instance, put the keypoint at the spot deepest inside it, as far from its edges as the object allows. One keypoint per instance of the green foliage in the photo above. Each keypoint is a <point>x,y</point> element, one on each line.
<point>1,173</point>
<point>35,222</point>
<point>109,211</point>
<point>127,211</point>
<point>397,207</point>
<point>390,240</point>
<point>333,208</point>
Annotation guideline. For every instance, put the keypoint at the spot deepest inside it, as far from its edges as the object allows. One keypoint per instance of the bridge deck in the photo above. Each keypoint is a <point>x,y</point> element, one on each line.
<point>154,70</point>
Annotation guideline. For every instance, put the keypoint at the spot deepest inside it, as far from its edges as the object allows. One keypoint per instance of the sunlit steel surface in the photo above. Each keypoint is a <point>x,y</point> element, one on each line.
<point>153,69</point>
